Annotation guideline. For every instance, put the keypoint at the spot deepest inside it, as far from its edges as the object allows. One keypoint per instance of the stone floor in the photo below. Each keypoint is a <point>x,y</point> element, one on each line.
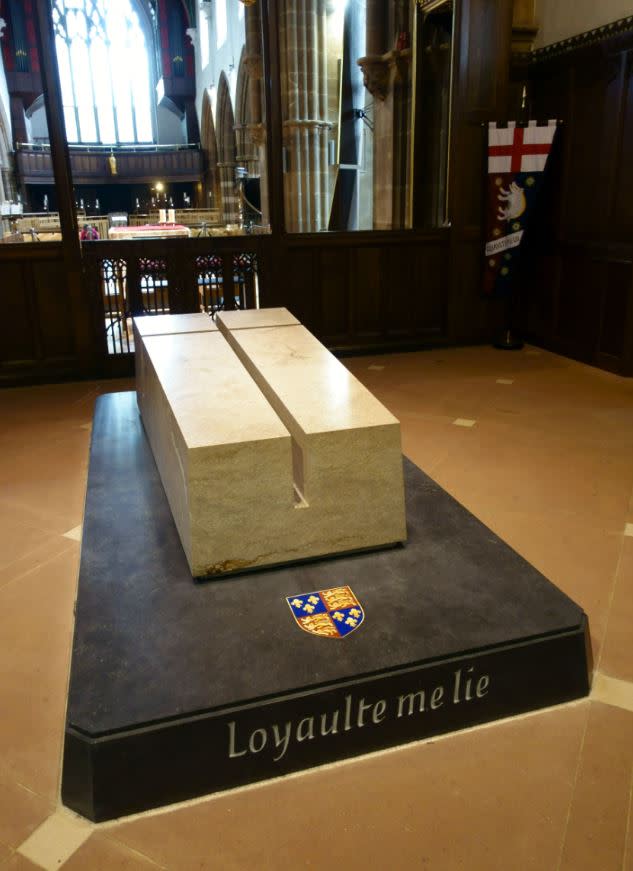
<point>539,448</point>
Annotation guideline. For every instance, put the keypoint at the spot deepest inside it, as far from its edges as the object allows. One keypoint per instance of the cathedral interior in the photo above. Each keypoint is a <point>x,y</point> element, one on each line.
<point>328,157</point>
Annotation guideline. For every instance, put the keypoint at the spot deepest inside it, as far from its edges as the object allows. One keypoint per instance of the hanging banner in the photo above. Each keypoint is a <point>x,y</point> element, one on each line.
<point>516,162</point>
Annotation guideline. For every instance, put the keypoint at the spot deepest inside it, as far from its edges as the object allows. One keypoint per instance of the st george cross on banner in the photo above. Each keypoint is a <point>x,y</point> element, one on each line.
<point>516,163</point>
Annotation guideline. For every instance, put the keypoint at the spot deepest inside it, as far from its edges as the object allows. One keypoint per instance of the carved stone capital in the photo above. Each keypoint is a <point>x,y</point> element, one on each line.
<point>3,24</point>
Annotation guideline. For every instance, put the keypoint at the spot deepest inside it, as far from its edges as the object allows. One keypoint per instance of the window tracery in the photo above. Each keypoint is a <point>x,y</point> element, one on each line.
<point>105,71</point>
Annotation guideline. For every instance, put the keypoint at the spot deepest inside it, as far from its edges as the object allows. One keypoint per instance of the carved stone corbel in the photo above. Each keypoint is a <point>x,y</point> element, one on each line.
<point>379,71</point>
<point>376,74</point>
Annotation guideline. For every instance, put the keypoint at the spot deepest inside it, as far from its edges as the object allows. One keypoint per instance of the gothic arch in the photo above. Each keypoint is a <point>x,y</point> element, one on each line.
<point>245,148</point>
<point>225,128</point>
<point>225,122</point>
<point>210,148</point>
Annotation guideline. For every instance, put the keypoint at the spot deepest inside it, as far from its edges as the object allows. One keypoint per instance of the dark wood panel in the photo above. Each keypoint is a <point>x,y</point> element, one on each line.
<point>335,293</point>
<point>368,294</point>
<point>17,336</point>
<point>485,28</point>
<point>91,167</point>
<point>578,321</point>
<point>617,301</point>
<point>297,282</point>
<point>36,332</point>
<point>623,182</point>
<point>52,300</point>
<point>587,155</point>
<point>579,299</point>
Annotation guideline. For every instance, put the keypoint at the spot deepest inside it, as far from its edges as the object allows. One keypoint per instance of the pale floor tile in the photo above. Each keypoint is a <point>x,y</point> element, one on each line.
<point>21,811</point>
<point>611,691</point>
<point>36,620</point>
<point>463,421</point>
<point>20,863</point>
<point>100,853</point>
<point>617,654</point>
<point>628,529</point>
<point>505,381</point>
<point>75,533</point>
<point>56,840</point>
<point>493,799</point>
<point>596,832</point>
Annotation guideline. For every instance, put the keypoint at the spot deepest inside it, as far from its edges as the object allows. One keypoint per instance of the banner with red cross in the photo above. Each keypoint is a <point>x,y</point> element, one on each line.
<point>516,162</point>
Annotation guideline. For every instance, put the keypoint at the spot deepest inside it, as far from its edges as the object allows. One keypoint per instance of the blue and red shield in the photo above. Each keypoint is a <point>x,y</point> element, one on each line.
<point>331,613</point>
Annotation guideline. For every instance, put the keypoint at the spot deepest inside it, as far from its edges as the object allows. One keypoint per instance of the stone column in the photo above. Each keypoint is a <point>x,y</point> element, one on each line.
<point>228,189</point>
<point>387,78</point>
<point>305,115</point>
<point>255,135</point>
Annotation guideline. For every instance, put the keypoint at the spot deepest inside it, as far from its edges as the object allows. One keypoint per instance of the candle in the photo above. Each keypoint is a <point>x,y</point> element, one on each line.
<point>162,216</point>
<point>172,216</point>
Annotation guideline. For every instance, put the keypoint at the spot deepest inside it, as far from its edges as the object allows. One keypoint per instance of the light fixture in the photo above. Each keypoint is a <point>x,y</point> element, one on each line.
<point>112,163</point>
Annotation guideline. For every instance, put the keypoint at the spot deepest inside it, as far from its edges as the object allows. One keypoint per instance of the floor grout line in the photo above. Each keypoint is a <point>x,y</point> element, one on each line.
<point>627,831</point>
<point>135,851</point>
<point>20,577</point>
<point>614,585</point>
<point>573,791</point>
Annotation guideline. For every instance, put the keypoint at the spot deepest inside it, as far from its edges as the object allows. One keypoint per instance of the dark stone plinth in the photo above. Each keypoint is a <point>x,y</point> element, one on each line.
<point>181,688</point>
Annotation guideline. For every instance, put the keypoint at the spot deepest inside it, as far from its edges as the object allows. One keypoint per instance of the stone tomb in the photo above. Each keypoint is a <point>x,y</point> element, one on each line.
<point>269,450</point>
<point>180,689</point>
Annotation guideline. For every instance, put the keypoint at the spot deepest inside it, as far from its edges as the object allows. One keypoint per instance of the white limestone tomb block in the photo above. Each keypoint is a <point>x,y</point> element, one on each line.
<point>160,325</point>
<point>269,450</point>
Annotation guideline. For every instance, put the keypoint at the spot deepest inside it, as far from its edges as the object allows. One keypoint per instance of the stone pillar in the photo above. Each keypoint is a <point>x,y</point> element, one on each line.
<point>387,78</point>
<point>228,189</point>
<point>255,134</point>
<point>305,115</point>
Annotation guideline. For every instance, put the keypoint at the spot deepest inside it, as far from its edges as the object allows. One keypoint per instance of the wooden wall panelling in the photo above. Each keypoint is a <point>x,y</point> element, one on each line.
<point>371,288</point>
<point>417,299</point>
<point>429,295</point>
<point>36,333</point>
<point>622,201</point>
<point>52,300</point>
<point>296,283</point>
<point>79,301</point>
<point>616,317</point>
<point>591,132</point>
<point>580,291</point>
<point>483,38</point>
<point>18,339</point>
<point>336,276</point>
<point>584,307</point>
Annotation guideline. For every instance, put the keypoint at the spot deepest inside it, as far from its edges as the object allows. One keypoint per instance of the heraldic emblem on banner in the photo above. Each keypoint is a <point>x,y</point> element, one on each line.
<point>516,163</point>
<point>332,613</point>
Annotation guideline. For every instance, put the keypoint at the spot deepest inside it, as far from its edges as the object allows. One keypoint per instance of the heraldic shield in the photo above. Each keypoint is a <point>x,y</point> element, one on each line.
<point>332,613</point>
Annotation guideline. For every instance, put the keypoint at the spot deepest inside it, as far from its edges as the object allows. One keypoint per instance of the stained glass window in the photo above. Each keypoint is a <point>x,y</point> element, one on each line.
<point>105,71</point>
